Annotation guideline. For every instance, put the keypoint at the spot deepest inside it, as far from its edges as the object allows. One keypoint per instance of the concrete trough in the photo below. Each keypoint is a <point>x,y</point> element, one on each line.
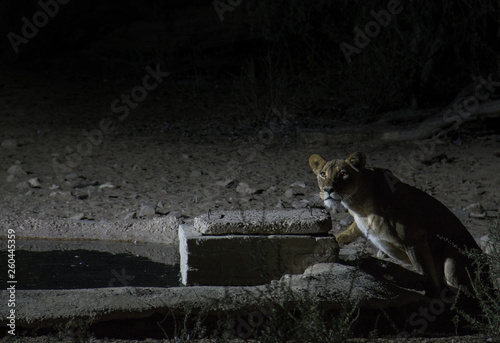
<point>244,260</point>
<point>264,222</point>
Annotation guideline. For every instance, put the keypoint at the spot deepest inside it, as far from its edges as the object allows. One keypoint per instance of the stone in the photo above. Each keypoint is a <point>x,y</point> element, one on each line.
<point>337,281</point>
<point>130,215</point>
<point>71,176</point>
<point>474,208</point>
<point>106,185</point>
<point>301,184</point>
<point>147,210</point>
<point>264,222</point>
<point>225,183</point>
<point>34,183</point>
<point>161,209</point>
<point>289,193</point>
<point>16,169</point>
<point>77,216</point>
<point>248,259</point>
<point>244,188</point>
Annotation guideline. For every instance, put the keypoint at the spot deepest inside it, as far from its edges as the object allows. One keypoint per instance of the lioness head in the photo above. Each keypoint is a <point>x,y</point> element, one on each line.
<point>337,179</point>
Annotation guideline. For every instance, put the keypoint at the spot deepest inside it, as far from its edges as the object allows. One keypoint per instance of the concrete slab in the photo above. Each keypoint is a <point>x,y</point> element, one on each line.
<point>155,230</point>
<point>234,260</point>
<point>264,222</point>
<point>330,285</point>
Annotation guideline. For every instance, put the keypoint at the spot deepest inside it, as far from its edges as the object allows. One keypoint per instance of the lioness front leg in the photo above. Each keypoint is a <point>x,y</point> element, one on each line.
<point>423,262</point>
<point>349,235</point>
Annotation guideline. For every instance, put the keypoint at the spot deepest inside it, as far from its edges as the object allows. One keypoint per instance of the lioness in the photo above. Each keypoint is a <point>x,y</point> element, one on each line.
<point>402,221</point>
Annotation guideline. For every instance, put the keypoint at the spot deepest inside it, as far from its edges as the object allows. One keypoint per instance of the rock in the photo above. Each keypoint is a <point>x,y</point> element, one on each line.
<point>175,215</point>
<point>244,188</point>
<point>71,177</point>
<point>474,208</point>
<point>248,259</point>
<point>289,193</point>
<point>147,210</point>
<point>264,222</point>
<point>477,215</point>
<point>301,184</point>
<point>225,183</point>
<point>77,216</point>
<point>271,189</point>
<point>130,215</point>
<point>380,286</point>
<point>106,185</point>
<point>9,143</point>
<point>10,178</point>
<point>16,169</point>
<point>487,245</point>
<point>34,183</point>
<point>161,209</point>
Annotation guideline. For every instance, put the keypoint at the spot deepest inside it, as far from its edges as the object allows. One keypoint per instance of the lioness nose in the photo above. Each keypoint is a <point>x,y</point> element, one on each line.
<point>328,189</point>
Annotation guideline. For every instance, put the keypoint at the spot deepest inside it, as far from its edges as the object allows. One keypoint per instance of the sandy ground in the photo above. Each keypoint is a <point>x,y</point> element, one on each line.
<point>191,147</point>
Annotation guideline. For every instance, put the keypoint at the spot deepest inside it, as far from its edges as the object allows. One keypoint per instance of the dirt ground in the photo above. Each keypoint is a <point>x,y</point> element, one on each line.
<point>191,146</point>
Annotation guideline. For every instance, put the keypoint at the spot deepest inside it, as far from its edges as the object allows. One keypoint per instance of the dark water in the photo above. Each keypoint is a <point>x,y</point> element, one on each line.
<point>72,269</point>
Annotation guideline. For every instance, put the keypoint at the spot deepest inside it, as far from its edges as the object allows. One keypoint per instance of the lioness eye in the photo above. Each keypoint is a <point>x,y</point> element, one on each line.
<point>322,174</point>
<point>343,174</point>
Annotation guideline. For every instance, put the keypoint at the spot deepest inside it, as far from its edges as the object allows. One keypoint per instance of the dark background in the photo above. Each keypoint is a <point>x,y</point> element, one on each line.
<point>272,54</point>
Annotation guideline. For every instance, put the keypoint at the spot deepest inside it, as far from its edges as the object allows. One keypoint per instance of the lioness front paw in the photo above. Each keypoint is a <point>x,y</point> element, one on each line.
<point>343,239</point>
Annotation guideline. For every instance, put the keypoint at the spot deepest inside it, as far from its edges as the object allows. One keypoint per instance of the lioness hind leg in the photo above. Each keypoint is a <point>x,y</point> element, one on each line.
<point>450,272</point>
<point>459,269</point>
<point>349,235</point>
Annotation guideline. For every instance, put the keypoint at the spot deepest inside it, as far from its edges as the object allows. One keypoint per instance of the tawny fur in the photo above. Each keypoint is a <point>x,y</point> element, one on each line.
<point>402,221</point>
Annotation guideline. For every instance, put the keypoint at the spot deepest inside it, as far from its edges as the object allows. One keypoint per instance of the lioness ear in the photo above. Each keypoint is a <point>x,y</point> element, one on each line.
<point>357,161</point>
<point>317,163</point>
